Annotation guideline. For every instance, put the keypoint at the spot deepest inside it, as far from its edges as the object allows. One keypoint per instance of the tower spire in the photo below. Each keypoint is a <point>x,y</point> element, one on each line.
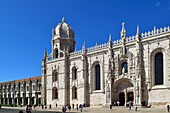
<point>137,34</point>
<point>45,53</point>
<point>63,20</point>
<point>137,30</point>
<point>123,32</point>
<point>110,37</point>
<point>110,41</point>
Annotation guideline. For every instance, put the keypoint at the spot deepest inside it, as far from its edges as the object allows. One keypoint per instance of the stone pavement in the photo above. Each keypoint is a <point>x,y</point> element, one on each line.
<point>115,109</point>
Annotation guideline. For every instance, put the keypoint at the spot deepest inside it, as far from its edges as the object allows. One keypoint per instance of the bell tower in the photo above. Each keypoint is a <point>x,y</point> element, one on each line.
<point>62,40</point>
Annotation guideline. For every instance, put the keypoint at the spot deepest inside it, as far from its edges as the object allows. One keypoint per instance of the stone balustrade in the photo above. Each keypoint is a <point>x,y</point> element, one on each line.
<point>155,32</point>
<point>117,42</point>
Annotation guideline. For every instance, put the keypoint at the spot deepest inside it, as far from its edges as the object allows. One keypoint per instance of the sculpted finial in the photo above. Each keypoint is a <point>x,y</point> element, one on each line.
<point>123,25</point>
<point>137,30</point>
<point>63,20</point>
<point>110,38</point>
<point>123,32</point>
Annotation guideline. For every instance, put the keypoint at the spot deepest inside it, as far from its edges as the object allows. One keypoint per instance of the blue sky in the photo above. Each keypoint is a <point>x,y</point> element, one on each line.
<point>26,25</point>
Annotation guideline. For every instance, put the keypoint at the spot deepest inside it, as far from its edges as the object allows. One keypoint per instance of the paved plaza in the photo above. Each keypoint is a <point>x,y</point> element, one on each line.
<point>88,110</point>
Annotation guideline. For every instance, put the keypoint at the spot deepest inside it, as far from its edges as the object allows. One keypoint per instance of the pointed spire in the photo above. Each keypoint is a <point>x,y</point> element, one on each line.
<point>110,38</point>
<point>123,32</point>
<point>63,20</point>
<point>138,30</point>
<point>84,45</point>
<point>137,34</point>
<point>123,26</point>
<point>154,29</point>
<point>110,41</point>
<point>53,32</point>
<point>45,53</point>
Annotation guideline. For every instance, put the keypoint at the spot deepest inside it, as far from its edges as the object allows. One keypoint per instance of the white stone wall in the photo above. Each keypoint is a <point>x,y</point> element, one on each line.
<point>137,52</point>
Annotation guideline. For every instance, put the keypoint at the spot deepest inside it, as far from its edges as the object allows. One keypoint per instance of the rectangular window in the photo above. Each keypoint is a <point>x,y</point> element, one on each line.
<point>27,88</point>
<point>33,87</point>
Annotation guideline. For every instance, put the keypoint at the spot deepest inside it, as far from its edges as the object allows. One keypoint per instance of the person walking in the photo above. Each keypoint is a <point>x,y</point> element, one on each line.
<point>130,105</point>
<point>73,106</point>
<point>77,106</point>
<point>64,109</point>
<point>80,107</point>
<point>168,107</point>
<point>21,111</point>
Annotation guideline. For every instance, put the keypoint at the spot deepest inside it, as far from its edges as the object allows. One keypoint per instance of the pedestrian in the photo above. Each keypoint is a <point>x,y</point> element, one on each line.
<point>130,105</point>
<point>64,109</point>
<point>21,111</point>
<point>114,103</point>
<point>73,106</point>
<point>69,107</point>
<point>84,105</point>
<point>77,106</point>
<point>50,106</point>
<point>118,103</point>
<point>56,105</point>
<point>136,108</point>
<point>42,106</point>
<point>168,107</point>
<point>80,107</point>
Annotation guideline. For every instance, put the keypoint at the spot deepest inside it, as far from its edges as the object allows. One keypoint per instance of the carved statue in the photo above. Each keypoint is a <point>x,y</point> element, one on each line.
<point>123,70</point>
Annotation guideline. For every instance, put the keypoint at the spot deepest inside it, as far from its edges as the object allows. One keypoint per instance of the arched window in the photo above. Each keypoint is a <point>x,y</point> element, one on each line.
<point>124,67</point>
<point>55,93</point>
<point>97,77</point>
<point>159,68</point>
<point>74,92</point>
<point>55,76</point>
<point>39,87</point>
<point>74,73</point>
<point>56,53</point>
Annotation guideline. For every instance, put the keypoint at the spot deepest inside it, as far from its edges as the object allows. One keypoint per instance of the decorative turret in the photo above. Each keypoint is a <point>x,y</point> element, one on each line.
<point>62,39</point>
<point>137,34</point>
<point>123,32</point>
<point>110,41</point>
<point>84,48</point>
<point>63,30</point>
<point>45,54</point>
<point>123,38</point>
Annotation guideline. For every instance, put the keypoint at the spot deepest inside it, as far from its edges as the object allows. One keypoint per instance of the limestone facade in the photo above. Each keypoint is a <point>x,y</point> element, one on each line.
<point>21,92</point>
<point>134,68</point>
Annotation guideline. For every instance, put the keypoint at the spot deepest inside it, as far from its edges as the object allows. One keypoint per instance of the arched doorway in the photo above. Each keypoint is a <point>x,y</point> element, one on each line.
<point>122,91</point>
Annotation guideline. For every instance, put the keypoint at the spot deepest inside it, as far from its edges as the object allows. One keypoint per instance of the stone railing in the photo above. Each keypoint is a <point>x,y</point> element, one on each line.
<point>97,47</point>
<point>130,38</point>
<point>76,53</point>
<point>155,32</point>
<point>116,42</point>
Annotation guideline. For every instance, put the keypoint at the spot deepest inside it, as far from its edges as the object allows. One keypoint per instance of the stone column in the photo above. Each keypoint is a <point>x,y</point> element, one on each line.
<point>125,97</point>
<point>23,101</point>
<point>3,100</point>
<point>13,100</point>
<point>35,100</point>
<point>17,99</point>
<point>8,100</point>
<point>29,100</point>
